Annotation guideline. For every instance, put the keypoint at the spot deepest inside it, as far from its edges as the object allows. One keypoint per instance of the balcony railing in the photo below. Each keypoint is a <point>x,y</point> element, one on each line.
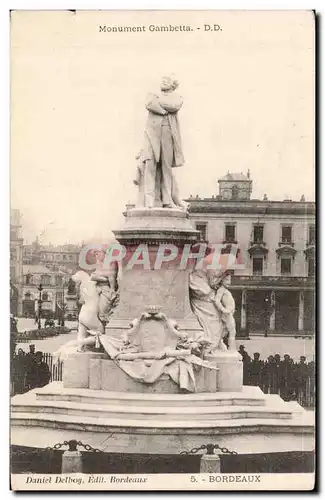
<point>230,240</point>
<point>258,242</point>
<point>286,241</point>
<point>263,280</point>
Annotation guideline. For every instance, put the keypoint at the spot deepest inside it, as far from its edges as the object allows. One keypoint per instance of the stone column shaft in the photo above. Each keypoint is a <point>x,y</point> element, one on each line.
<point>272,315</point>
<point>301,311</point>
<point>243,317</point>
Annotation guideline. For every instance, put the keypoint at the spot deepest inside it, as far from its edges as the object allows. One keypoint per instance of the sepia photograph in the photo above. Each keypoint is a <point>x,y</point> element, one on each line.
<point>162,250</point>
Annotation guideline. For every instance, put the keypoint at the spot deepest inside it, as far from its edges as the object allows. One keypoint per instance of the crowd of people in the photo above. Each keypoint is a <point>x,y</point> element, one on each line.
<point>293,381</point>
<point>274,375</point>
<point>28,370</point>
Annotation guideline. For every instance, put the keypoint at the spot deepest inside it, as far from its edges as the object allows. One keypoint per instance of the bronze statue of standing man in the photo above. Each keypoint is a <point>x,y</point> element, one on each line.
<point>162,149</point>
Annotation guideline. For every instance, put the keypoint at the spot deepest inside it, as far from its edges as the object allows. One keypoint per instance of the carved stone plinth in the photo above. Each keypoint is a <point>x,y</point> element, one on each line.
<point>230,370</point>
<point>150,283</point>
<point>76,370</point>
<point>90,370</point>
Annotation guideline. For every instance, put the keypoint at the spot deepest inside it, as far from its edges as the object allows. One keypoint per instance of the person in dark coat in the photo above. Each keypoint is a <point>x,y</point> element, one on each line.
<point>246,364</point>
<point>19,372</point>
<point>38,373</point>
<point>256,370</point>
<point>301,380</point>
<point>287,368</point>
<point>30,357</point>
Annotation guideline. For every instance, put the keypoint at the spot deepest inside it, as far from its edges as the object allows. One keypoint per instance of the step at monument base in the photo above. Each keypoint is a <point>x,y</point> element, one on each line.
<point>160,423</point>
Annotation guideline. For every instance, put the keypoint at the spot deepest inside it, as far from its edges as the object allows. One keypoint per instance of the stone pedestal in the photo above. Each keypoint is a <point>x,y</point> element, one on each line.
<point>210,464</point>
<point>76,371</point>
<point>206,380</point>
<point>95,371</point>
<point>230,371</point>
<point>160,240</point>
<point>71,462</point>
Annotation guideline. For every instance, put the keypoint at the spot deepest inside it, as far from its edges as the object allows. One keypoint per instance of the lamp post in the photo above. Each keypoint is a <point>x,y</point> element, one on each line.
<point>267,318</point>
<point>62,321</point>
<point>40,288</point>
<point>63,307</point>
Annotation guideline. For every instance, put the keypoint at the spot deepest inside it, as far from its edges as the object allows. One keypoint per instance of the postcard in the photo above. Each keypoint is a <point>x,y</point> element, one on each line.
<point>162,250</point>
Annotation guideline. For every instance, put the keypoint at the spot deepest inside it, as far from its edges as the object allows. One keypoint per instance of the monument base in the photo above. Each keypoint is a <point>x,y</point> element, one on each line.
<point>91,370</point>
<point>230,370</point>
<point>160,423</point>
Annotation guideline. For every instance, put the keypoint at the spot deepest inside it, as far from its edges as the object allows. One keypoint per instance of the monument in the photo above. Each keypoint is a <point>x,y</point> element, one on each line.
<point>150,371</point>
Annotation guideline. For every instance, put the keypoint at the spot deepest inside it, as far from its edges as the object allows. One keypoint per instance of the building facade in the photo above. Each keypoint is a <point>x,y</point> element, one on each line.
<point>53,294</point>
<point>53,256</point>
<point>274,292</point>
<point>16,263</point>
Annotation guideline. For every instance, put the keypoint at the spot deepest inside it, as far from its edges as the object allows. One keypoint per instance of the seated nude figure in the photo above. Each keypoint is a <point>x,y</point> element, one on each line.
<point>89,324</point>
<point>225,303</point>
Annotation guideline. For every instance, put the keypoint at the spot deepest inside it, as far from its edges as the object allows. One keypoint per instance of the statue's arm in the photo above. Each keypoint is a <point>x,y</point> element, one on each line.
<point>153,105</point>
<point>171,102</point>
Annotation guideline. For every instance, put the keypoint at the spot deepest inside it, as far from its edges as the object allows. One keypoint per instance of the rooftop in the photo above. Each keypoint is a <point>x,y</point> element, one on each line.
<point>218,205</point>
<point>68,248</point>
<point>39,269</point>
<point>235,177</point>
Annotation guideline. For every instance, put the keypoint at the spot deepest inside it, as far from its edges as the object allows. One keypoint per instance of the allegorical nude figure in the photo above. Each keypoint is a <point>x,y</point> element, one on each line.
<point>162,149</point>
<point>225,303</point>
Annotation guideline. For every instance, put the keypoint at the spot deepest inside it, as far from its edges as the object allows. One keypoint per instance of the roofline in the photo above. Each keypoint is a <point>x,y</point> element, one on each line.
<point>235,180</point>
<point>213,205</point>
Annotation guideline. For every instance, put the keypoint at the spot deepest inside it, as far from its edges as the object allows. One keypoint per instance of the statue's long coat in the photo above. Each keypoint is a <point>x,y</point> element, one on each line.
<point>157,107</point>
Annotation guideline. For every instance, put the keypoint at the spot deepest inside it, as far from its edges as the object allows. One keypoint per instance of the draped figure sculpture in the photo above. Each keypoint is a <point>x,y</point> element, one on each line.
<point>162,150</point>
<point>213,305</point>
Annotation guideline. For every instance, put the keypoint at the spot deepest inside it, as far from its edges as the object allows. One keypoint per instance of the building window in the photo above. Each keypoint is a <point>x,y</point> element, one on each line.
<point>230,233</point>
<point>234,192</point>
<point>71,256</point>
<point>258,234</point>
<point>203,231</point>
<point>285,266</point>
<point>257,266</point>
<point>45,279</point>
<point>286,234</point>
<point>311,267</point>
<point>13,273</point>
<point>28,296</point>
<point>64,257</point>
<point>311,235</point>
<point>59,281</point>
<point>13,254</point>
<point>45,296</point>
<point>28,279</point>
<point>59,297</point>
<point>57,257</point>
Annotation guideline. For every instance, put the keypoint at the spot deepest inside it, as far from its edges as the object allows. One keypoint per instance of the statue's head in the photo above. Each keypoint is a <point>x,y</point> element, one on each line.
<point>223,277</point>
<point>226,280</point>
<point>80,276</point>
<point>169,83</point>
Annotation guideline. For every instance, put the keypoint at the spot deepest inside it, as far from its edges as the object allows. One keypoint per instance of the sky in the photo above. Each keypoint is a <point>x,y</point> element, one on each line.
<point>78,116</point>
